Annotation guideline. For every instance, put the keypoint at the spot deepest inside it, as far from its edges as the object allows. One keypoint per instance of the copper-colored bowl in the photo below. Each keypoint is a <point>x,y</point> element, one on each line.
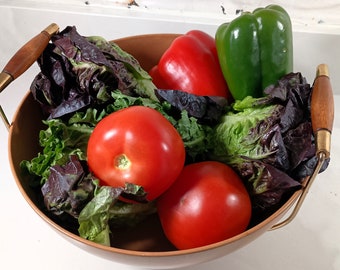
<point>147,246</point>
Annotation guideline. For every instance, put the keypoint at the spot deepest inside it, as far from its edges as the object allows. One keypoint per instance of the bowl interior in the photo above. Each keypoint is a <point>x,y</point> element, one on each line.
<point>23,145</point>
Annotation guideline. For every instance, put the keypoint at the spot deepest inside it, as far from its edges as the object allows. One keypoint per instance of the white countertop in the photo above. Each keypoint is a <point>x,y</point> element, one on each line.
<point>311,241</point>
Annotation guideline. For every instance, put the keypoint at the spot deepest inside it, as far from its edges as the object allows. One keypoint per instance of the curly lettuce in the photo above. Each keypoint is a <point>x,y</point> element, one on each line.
<point>79,72</point>
<point>269,141</point>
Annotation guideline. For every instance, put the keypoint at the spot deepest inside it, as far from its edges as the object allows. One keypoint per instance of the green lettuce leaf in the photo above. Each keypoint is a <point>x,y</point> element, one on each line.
<point>59,141</point>
<point>105,209</point>
<point>94,219</point>
<point>269,141</point>
<point>247,128</point>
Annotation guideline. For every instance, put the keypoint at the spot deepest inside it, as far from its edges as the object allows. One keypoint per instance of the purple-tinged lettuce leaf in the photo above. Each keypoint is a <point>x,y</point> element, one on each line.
<point>269,141</point>
<point>133,79</point>
<point>68,188</point>
<point>207,109</point>
<point>298,142</point>
<point>253,133</point>
<point>266,183</point>
<point>78,72</point>
<point>71,190</point>
<point>59,141</point>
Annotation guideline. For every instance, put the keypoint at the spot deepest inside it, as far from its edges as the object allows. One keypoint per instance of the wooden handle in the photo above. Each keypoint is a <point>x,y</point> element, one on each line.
<point>29,53</point>
<point>322,109</point>
<point>322,104</point>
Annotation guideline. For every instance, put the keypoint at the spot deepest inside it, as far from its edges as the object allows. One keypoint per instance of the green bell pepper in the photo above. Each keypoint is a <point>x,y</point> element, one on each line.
<point>255,50</point>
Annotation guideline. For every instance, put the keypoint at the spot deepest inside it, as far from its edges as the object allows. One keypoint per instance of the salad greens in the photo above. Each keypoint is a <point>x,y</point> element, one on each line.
<point>267,140</point>
<point>104,210</point>
<point>67,185</point>
<point>68,188</point>
<point>78,72</point>
<point>59,140</point>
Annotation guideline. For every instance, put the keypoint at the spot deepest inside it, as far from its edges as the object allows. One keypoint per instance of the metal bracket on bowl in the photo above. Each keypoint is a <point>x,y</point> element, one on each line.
<point>322,115</point>
<point>306,186</point>
<point>4,118</point>
<point>23,59</point>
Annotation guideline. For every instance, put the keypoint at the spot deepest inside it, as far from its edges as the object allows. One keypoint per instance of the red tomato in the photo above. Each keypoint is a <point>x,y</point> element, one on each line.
<point>208,203</point>
<point>136,145</point>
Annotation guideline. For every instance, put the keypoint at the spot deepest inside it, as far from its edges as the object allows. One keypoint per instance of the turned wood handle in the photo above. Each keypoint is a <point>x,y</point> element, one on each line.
<point>30,52</point>
<point>322,109</point>
<point>322,104</point>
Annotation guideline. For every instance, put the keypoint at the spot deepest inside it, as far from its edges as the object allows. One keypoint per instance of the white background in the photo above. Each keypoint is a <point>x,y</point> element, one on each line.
<point>311,241</point>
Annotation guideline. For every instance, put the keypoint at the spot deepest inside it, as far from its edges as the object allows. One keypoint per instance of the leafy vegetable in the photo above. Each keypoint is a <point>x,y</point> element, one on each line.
<point>195,135</point>
<point>78,72</point>
<point>71,189</point>
<point>62,138</point>
<point>133,79</point>
<point>255,129</point>
<point>94,219</point>
<point>207,109</point>
<point>267,139</point>
<point>68,188</point>
<point>59,141</point>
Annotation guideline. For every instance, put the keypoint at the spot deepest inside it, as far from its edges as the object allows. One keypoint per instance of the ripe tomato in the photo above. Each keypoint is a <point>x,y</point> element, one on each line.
<point>136,145</point>
<point>208,203</point>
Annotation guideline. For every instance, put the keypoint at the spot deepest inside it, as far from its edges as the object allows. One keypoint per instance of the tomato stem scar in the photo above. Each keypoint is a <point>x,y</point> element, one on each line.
<point>122,162</point>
